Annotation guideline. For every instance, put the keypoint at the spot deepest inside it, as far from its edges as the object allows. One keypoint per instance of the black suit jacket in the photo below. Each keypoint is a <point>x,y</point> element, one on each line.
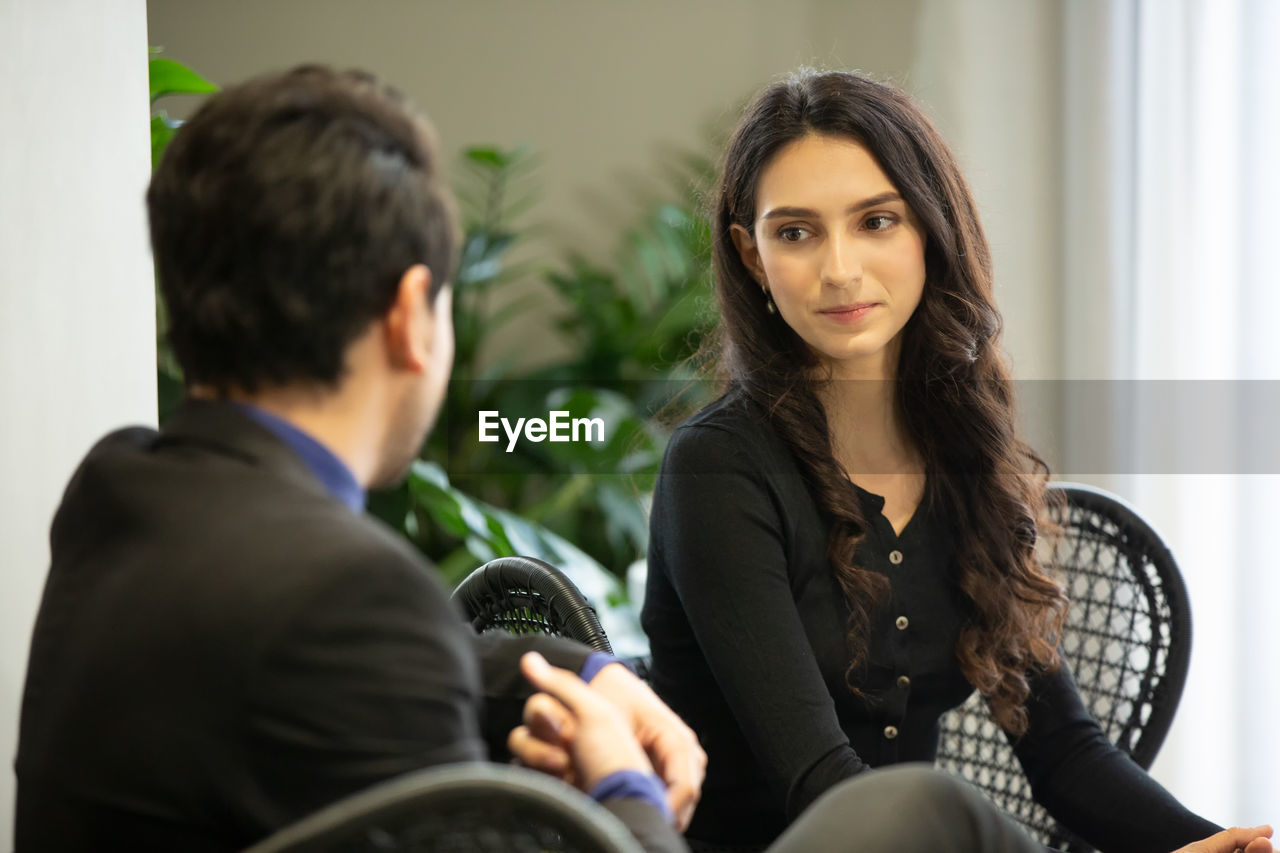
<point>223,648</point>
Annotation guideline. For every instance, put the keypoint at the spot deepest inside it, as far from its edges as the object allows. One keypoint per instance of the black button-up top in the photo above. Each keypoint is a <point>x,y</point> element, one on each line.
<point>748,631</point>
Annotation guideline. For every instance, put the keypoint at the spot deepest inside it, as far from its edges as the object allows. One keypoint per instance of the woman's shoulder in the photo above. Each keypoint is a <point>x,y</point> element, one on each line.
<point>733,414</point>
<point>730,429</point>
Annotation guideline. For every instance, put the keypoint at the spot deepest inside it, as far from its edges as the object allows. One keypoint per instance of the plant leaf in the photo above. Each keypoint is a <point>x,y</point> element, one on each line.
<point>169,77</point>
<point>162,130</point>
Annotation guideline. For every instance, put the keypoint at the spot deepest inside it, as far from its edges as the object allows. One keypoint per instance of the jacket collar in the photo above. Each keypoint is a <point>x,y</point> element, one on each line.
<point>223,428</point>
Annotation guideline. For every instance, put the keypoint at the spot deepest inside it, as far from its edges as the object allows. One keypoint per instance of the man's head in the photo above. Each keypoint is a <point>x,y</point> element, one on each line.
<point>292,217</point>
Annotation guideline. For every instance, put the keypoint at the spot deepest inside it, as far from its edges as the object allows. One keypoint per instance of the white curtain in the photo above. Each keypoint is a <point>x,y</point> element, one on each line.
<point>1164,188</point>
<point>1187,169</point>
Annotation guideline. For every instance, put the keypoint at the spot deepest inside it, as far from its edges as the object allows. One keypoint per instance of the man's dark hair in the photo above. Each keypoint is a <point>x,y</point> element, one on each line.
<point>283,215</point>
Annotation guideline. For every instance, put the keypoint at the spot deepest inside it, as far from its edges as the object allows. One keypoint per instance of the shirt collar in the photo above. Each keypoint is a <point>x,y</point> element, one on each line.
<point>336,477</point>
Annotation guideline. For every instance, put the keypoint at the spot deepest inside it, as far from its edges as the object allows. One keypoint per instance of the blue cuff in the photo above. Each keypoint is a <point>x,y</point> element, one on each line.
<point>596,661</point>
<point>632,784</point>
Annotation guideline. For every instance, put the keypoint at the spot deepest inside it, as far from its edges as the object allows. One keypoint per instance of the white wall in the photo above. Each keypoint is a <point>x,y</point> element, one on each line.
<point>607,93</point>
<point>1000,110</point>
<point>77,315</point>
<point>1003,120</point>
<point>604,91</point>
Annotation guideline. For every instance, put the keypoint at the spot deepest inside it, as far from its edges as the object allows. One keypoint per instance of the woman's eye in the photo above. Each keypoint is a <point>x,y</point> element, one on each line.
<point>879,223</point>
<point>792,234</point>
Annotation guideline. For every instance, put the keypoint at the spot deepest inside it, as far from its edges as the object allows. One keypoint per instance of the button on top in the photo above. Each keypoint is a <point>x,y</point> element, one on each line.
<point>904,682</point>
<point>902,622</point>
<point>891,732</point>
<point>895,557</point>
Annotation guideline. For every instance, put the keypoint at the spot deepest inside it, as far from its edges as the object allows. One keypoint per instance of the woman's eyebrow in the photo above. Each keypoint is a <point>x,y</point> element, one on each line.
<point>804,212</point>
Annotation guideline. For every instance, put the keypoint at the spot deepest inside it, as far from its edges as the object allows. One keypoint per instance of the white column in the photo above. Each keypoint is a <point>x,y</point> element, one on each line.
<point>77,315</point>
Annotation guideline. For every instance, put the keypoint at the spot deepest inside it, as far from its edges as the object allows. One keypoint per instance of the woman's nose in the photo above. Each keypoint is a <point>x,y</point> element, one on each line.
<point>841,265</point>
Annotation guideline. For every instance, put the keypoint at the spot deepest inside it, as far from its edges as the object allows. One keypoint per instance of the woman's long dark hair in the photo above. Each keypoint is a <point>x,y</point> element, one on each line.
<point>953,390</point>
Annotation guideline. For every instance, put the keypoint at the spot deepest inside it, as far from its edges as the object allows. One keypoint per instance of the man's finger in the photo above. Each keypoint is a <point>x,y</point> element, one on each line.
<point>537,753</point>
<point>684,787</point>
<point>682,798</point>
<point>547,719</point>
<point>560,683</point>
<point>681,764</point>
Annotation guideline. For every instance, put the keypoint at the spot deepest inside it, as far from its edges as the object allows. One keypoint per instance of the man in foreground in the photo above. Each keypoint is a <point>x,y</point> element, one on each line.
<point>226,643</point>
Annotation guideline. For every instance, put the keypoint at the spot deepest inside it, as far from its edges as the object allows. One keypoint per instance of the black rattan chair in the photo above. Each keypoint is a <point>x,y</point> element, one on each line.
<point>1127,641</point>
<point>527,596</point>
<point>460,808</point>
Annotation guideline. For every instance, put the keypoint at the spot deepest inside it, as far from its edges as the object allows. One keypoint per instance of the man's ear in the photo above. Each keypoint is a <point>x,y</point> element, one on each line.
<point>747,251</point>
<point>409,322</point>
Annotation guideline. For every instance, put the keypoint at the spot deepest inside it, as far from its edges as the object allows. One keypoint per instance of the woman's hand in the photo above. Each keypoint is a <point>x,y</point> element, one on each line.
<point>1255,840</point>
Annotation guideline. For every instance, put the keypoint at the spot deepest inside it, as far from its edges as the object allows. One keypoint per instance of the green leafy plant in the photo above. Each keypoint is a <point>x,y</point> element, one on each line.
<point>168,77</point>
<point>630,332</point>
<point>627,330</point>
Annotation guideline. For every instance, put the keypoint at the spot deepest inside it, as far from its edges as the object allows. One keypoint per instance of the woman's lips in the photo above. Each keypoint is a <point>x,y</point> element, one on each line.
<point>848,313</point>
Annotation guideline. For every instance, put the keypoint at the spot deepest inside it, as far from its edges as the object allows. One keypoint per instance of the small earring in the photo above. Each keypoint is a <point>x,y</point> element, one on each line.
<point>768,303</point>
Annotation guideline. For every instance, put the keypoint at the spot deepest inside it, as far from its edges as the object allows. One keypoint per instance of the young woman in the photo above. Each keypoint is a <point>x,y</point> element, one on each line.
<point>843,543</point>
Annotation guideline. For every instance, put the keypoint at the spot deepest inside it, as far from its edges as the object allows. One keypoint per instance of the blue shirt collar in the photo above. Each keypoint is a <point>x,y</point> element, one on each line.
<point>336,477</point>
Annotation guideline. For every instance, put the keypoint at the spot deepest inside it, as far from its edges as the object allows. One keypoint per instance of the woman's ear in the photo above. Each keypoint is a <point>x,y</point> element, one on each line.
<point>747,251</point>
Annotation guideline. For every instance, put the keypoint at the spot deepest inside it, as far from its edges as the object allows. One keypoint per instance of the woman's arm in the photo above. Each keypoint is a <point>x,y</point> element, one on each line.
<point>718,538</point>
<point>1089,785</point>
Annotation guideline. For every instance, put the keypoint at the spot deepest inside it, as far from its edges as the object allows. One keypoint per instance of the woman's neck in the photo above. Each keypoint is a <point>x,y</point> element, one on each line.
<point>867,433</point>
<point>870,440</point>
<point>861,400</point>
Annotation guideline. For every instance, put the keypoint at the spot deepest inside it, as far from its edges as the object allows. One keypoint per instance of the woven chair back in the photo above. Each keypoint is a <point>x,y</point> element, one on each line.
<point>1127,641</point>
<point>477,808</point>
<point>522,595</point>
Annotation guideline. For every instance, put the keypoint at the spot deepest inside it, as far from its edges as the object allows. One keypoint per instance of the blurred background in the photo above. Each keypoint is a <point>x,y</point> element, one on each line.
<point>1120,152</point>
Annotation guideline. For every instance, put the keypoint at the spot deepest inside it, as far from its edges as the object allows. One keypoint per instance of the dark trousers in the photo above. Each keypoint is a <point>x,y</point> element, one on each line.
<point>908,808</point>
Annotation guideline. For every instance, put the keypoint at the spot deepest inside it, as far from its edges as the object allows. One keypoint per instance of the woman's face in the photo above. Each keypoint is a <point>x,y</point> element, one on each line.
<point>839,251</point>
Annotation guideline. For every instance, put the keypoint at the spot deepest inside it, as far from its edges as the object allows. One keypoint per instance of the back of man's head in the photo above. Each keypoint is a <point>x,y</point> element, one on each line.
<point>283,215</point>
